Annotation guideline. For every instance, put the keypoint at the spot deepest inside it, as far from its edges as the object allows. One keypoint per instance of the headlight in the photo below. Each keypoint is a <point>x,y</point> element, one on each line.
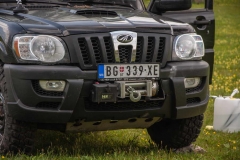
<point>41,48</point>
<point>188,46</point>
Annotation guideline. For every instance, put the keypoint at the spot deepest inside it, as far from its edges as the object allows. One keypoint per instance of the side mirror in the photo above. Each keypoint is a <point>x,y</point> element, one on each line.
<point>169,5</point>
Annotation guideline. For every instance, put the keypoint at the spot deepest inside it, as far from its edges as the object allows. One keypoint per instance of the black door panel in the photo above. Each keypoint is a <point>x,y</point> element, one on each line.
<point>202,21</point>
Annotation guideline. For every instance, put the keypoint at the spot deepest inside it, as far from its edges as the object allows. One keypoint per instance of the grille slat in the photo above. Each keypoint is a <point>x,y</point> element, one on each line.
<point>103,49</point>
<point>139,49</point>
<point>91,51</point>
<point>145,48</point>
<point>109,50</point>
<point>150,49</point>
<point>161,49</point>
<point>99,48</point>
<point>96,49</point>
<point>155,51</point>
<point>84,51</point>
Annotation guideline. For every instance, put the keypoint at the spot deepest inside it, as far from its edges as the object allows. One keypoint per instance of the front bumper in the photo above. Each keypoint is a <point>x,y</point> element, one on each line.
<point>23,100</point>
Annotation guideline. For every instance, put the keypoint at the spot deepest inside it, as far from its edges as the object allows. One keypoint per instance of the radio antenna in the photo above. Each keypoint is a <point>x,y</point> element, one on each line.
<point>20,8</point>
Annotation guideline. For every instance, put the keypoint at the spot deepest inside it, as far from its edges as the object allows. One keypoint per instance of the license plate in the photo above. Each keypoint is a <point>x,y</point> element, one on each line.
<point>128,71</point>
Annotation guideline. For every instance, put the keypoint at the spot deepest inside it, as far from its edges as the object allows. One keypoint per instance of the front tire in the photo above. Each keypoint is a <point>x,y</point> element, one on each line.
<point>15,136</point>
<point>174,134</point>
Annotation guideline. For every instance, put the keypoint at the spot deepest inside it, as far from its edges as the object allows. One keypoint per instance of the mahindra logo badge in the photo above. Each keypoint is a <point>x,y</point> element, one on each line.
<point>124,38</point>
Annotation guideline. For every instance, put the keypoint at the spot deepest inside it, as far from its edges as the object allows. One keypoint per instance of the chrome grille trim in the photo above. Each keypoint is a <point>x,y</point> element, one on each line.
<point>117,43</point>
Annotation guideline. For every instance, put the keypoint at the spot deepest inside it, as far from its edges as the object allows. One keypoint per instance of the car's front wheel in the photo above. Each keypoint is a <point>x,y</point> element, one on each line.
<point>15,136</point>
<point>174,134</point>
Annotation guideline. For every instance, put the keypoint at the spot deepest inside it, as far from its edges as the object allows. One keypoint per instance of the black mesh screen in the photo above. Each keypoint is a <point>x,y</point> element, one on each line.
<point>37,88</point>
<point>48,105</point>
<point>125,53</point>
<point>84,51</point>
<point>150,49</point>
<point>161,48</point>
<point>92,106</point>
<point>97,49</point>
<point>193,100</point>
<point>195,89</point>
<point>139,49</point>
<point>109,49</point>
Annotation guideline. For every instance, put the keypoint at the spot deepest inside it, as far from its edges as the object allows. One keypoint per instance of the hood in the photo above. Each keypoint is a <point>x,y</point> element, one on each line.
<point>68,21</point>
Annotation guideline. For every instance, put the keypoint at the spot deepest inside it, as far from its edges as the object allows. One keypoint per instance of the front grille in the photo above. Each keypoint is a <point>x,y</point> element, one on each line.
<point>37,88</point>
<point>194,100</point>
<point>99,48</point>
<point>120,106</point>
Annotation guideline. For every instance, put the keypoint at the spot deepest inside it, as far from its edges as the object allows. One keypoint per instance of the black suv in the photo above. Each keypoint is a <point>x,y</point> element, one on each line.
<point>94,65</point>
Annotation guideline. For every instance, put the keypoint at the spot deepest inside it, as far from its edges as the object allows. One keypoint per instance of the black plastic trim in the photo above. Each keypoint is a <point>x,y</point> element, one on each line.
<point>22,99</point>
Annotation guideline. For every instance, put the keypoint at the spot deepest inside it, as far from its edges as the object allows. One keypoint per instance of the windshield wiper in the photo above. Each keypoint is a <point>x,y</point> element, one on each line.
<point>45,1</point>
<point>36,1</point>
<point>21,6</point>
<point>108,3</point>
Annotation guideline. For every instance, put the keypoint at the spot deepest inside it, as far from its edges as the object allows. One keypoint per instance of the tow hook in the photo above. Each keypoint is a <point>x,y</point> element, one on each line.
<point>133,92</point>
<point>136,90</point>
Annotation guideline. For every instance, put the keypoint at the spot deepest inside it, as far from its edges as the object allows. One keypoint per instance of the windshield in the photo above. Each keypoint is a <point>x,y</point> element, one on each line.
<point>131,3</point>
<point>136,4</point>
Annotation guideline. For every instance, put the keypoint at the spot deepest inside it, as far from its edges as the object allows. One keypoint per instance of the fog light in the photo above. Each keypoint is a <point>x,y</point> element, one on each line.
<point>191,82</point>
<point>52,85</point>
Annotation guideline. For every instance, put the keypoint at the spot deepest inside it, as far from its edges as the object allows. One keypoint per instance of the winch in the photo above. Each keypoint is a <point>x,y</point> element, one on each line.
<point>135,90</point>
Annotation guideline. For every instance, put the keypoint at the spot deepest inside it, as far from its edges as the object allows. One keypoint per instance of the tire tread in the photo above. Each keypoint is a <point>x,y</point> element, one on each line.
<point>174,134</point>
<point>17,136</point>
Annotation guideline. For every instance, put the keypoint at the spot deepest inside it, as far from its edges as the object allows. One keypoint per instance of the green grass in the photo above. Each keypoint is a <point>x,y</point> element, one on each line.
<point>200,5</point>
<point>135,144</point>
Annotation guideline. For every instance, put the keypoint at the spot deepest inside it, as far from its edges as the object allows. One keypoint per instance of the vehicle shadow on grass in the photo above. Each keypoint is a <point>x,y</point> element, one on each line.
<point>93,143</point>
